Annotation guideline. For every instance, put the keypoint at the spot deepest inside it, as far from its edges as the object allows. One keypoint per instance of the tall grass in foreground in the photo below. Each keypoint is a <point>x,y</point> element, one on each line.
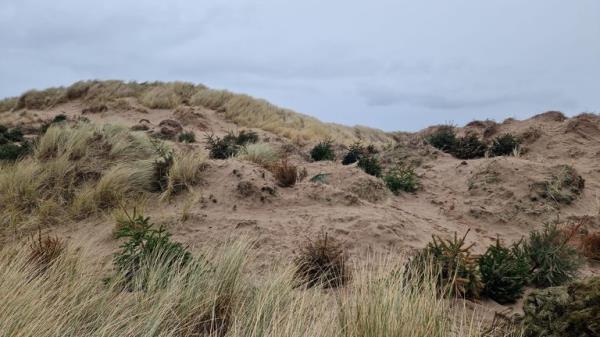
<point>214,296</point>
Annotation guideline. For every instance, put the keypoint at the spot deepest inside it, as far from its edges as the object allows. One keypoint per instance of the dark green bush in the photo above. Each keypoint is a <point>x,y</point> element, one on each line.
<point>567,311</point>
<point>3,139</point>
<point>187,137</point>
<point>221,148</point>
<point>553,261</point>
<point>14,135</point>
<point>401,178</point>
<point>146,248</point>
<point>370,164</point>
<point>504,273</point>
<point>469,147</point>
<point>323,151</point>
<point>443,138</point>
<point>12,151</point>
<point>451,262</point>
<point>162,166</point>
<point>504,145</point>
<point>355,152</point>
<point>60,118</point>
<point>244,137</point>
<point>230,144</point>
<point>3,129</point>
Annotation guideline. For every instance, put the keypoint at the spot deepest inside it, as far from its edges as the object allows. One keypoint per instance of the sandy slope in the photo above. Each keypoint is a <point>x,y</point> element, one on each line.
<point>492,196</point>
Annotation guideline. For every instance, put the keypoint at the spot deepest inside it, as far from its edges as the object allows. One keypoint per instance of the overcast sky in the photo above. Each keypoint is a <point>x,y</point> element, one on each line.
<point>395,65</point>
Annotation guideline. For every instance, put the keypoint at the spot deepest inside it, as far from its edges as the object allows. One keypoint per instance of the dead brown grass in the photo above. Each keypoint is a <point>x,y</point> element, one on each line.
<point>285,173</point>
<point>590,245</point>
<point>8,104</point>
<point>43,251</point>
<point>41,99</point>
<point>322,262</point>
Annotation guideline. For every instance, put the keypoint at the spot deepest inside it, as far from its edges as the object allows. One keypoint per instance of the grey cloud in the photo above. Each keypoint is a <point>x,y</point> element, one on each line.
<point>388,97</point>
<point>351,62</point>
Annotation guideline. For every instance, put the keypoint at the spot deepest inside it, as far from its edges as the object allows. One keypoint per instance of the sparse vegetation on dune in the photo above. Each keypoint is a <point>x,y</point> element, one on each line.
<point>242,109</point>
<point>62,169</point>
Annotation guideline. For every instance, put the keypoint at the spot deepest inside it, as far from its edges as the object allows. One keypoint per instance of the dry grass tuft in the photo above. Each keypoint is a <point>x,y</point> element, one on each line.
<point>160,97</point>
<point>590,245</point>
<point>285,173</point>
<point>322,262</point>
<point>43,251</point>
<point>212,99</point>
<point>79,170</point>
<point>185,172</point>
<point>7,104</point>
<point>257,113</point>
<point>260,153</point>
<point>41,99</point>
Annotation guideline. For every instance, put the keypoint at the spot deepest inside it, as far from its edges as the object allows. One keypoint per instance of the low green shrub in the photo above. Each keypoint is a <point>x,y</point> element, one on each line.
<point>187,137</point>
<point>14,135</point>
<point>12,151</point>
<point>451,262</point>
<point>323,151</point>
<point>370,164</point>
<point>401,178</point>
<point>444,138</point>
<point>244,137</point>
<point>230,144</point>
<point>504,145</point>
<point>552,260</point>
<point>355,152</point>
<point>468,147</point>
<point>220,148</point>
<point>504,273</point>
<point>567,311</point>
<point>145,248</point>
